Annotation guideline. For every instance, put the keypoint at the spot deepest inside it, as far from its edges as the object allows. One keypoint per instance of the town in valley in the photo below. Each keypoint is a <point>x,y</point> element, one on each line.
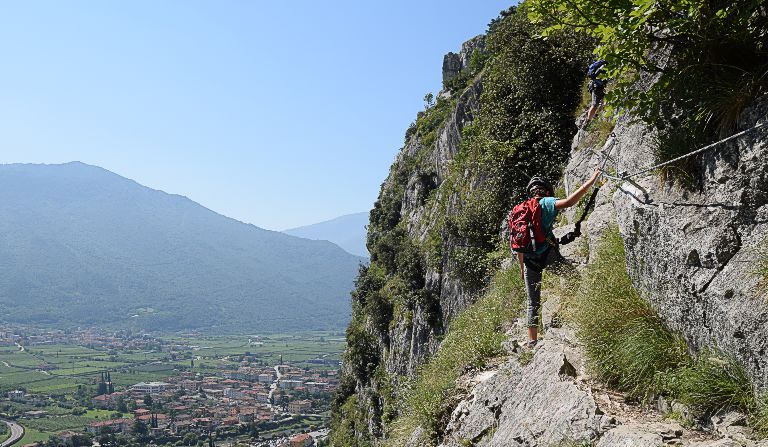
<point>99,387</point>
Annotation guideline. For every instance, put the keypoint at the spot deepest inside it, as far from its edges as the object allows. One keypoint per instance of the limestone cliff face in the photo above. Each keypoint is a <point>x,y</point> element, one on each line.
<point>432,295</point>
<point>411,341</point>
<point>694,253</point>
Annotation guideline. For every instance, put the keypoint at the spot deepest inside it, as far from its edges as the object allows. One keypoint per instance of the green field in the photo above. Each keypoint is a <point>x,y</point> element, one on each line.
<point>268,349</point>
<point>67,366</point>
<point>31,435</point>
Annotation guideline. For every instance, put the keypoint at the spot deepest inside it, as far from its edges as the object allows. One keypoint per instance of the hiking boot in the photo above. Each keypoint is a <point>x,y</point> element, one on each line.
<point>531,344</point>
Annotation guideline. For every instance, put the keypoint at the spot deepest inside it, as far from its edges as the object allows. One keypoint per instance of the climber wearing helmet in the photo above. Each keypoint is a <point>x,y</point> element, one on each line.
<point>544,254</point>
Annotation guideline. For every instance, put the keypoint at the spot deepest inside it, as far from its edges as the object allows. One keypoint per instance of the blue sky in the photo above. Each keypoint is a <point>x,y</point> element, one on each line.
<point>279,114</point>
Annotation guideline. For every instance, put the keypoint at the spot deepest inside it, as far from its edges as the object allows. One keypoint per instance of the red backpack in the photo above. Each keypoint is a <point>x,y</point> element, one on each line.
<point>525,230</point>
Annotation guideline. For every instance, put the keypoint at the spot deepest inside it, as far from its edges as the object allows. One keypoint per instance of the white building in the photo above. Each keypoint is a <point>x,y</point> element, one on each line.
<point>290,384</point>
<point>15,395</point>
<point>150,387</point>
<point>233,393</point>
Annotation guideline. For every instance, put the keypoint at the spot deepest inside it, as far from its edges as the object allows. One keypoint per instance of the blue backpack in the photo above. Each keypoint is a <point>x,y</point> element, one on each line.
<point>594,68</point>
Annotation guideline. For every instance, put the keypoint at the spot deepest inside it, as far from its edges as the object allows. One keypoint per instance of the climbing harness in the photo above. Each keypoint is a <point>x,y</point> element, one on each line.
<point>625,176</point>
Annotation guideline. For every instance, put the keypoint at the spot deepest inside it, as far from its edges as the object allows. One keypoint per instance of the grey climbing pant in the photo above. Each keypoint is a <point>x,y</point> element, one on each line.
<point>534,266</point>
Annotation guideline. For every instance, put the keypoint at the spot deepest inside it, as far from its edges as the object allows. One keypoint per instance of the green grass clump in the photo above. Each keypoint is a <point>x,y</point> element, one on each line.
<point>714,382</point>
<point>576,444</point>
<point>759,417</point>
<point>626,342</point>
<point>474,337</point>
<point>526,357</point>
<point>599,129</point>
<point>761,268</point>
<point>629,348</point>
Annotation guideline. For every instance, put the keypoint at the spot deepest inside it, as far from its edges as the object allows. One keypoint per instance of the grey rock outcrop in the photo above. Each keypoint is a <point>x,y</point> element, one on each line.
<point>412,341</point>
<point>642,435</point>
<point>540,404</point>
<point>454,63</point>
<point>693,253</point>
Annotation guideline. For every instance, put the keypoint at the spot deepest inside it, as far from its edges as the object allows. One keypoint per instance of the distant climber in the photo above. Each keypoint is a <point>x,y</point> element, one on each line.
<point>596,87</point>
<point>531,236</point>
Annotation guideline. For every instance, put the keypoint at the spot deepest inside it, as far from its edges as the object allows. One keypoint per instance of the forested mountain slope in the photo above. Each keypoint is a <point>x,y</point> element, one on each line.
<point>81,246</point>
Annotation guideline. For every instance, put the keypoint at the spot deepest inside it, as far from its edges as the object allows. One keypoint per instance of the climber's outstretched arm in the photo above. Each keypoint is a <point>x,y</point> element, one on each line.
<point>573,199</point>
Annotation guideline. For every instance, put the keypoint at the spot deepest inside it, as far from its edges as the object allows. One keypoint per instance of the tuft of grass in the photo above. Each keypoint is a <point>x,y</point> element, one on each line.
<point>599,129</point>
<point>674,140</point>
<point>575,444</point>
<point>525,358</point>
<point>714,382</point>
<point>629,348</point>
<point>761,269</point>
<point>680,418</point>
<point>727,93</point>
<point>585,102</point>
<point>625,341</point>
<point>759,416</point>
<point>474,337</point>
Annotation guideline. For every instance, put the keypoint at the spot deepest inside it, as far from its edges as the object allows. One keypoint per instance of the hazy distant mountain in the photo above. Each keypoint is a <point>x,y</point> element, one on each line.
<point>348,232</point>
<point>80,245</point>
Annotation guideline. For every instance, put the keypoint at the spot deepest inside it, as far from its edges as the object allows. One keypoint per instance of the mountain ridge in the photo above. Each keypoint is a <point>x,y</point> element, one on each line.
<point>83,237</point>
<point>347,231</point>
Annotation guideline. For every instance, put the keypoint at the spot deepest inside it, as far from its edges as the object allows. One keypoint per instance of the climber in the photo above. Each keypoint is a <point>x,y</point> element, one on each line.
<point>596,87</point>
<point>546,254</point>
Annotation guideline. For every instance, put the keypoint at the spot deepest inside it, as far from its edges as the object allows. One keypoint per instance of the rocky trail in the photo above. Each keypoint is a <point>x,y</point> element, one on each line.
<point>549,399</point>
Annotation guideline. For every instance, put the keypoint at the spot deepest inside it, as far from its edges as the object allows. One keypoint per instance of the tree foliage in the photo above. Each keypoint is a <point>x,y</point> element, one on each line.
<point>706,59</point>
<point>530,88</point>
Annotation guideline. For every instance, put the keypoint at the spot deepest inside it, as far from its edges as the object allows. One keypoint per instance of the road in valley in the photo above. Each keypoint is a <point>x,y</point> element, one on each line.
<point>275,383</point>
<point>17,432</point>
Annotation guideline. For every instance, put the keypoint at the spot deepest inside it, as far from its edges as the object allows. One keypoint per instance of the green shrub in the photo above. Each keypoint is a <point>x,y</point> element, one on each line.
<point>524,127</point>
<point>350,426</point>
<point>718,60</point>
<point>708,57</point>
<point>458,82</point>
<point>380,311</point>
<point>362,353</point>
<point>429,121</point>
<point>370,278</point>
